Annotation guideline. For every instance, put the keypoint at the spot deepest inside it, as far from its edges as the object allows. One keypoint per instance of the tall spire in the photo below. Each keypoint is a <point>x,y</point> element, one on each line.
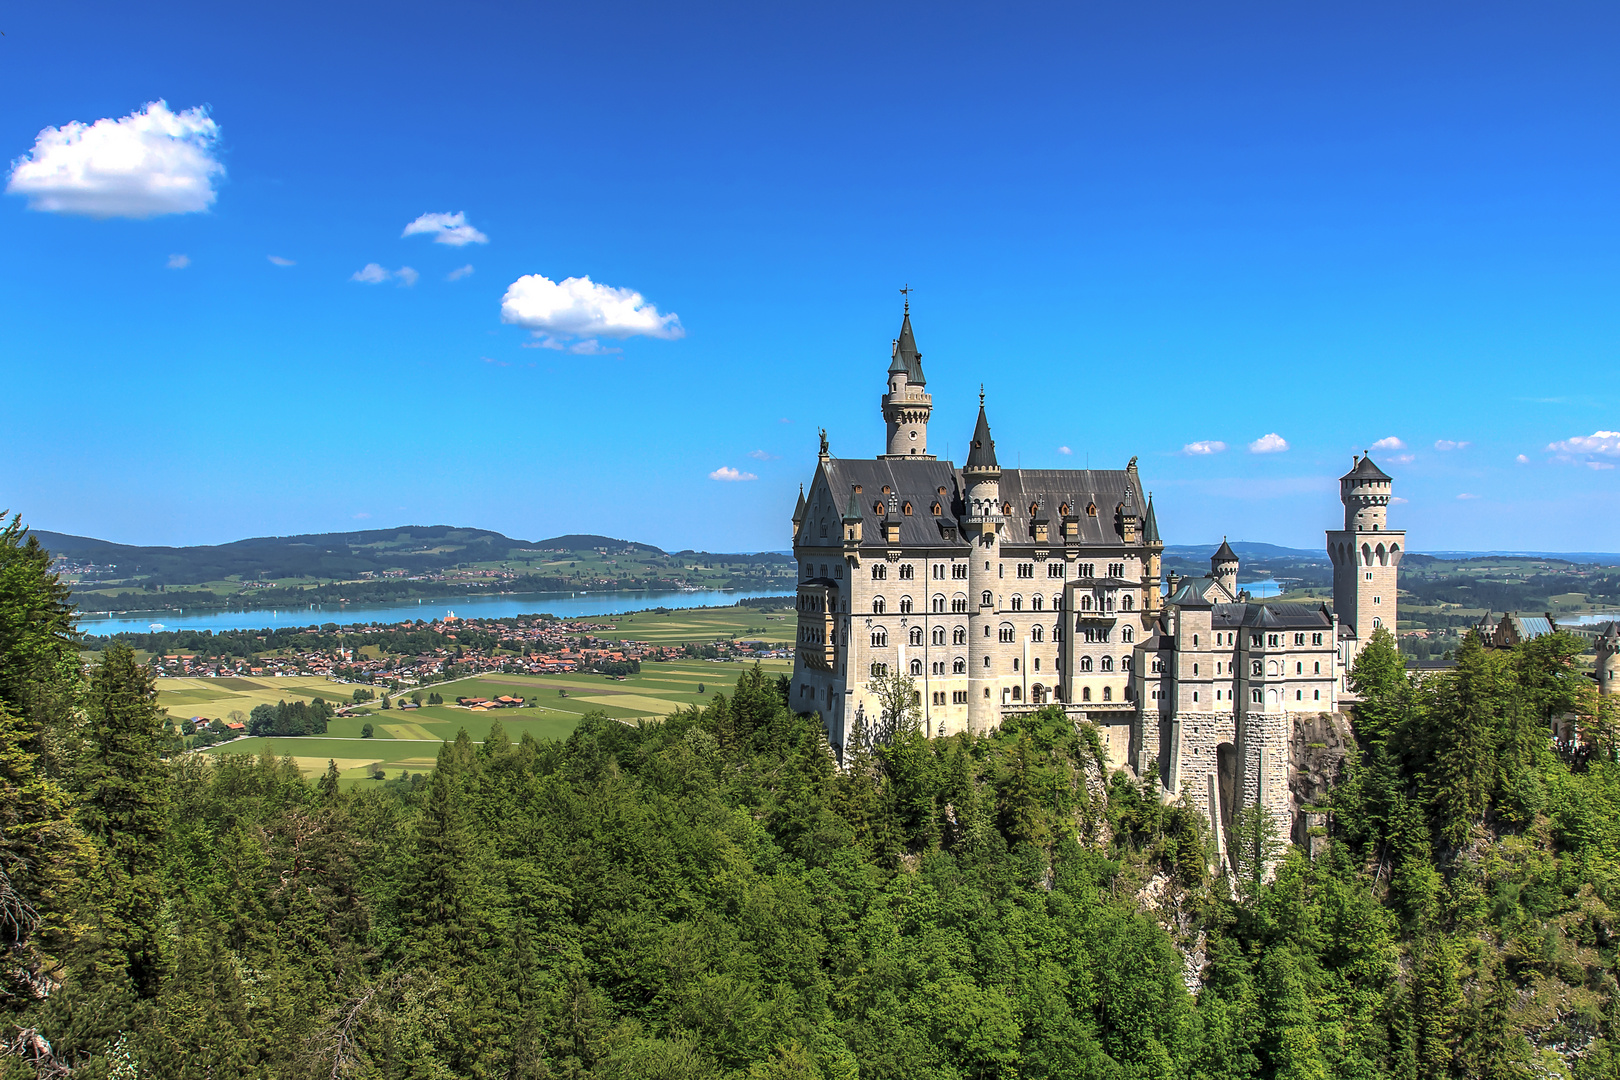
<point>906,360</point>
<point>982,451</point>
<point>1150,527</point>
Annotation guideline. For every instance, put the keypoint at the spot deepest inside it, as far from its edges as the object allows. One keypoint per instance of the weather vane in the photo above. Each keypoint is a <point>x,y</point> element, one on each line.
<point>906,291</point>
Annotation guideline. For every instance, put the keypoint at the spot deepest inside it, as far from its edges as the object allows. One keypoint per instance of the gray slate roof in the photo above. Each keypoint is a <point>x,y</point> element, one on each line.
<point>1271,616</point>
<point>982,451</point>
<point>906,357</point>
<point>1365,470</point>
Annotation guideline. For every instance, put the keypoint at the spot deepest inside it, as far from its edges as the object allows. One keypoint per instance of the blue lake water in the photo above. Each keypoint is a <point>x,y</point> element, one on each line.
<point>564,605</point>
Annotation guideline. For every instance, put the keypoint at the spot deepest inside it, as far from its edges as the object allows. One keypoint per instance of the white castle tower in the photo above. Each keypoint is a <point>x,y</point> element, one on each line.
<point>907,405</point>
<point>1365,554</point>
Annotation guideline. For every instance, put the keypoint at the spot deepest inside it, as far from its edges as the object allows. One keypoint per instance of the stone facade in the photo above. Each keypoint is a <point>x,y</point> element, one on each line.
<point>1003,590</point>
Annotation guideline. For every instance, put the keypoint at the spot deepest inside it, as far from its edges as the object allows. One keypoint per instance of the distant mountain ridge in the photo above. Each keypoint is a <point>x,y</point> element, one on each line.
<point>418,548</point>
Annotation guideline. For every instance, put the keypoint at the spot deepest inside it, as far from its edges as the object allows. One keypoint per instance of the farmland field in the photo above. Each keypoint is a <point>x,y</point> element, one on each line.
<point>217,698</point>
<point>409,739</point>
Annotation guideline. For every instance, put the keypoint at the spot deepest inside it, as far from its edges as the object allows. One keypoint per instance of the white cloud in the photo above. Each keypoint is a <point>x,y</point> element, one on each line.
<point>1269,444</point>
<point>1389,442</point>
<point>449,229</point>
<point>592,347</point>
<point>178,262</point>
<point>458,273</point>
<point>279,261</point>
<point>1203,448</point>
<point>1465,495</point>
<point>149,163</point>
<point>361,516</point>
<point>373,274</point>
<point>760,455</point>
<point>726,472</point>
<point>1522,459</point>
<point>1065,451</point>
<point>1451,444</point>
<point>1403,459</point>
<point>1599,442</point>
<point>578,306</point>
<point>1600,464</point>
<point>1398,499</point>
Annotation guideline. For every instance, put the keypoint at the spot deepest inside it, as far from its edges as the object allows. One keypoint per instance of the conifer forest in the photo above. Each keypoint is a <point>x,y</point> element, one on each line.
<point>710,896</point>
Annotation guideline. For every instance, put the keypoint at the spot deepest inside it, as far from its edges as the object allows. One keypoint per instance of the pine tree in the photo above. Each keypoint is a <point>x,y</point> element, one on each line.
<point>124,808</point>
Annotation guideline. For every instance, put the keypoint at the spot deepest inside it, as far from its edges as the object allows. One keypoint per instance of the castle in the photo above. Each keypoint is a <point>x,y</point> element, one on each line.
<point>1003,590</point>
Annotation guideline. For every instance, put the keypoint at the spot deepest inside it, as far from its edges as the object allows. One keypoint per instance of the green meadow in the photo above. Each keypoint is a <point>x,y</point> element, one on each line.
<point>409,739</point>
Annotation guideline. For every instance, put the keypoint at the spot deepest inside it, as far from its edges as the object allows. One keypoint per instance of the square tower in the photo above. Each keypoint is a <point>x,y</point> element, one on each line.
<point>1365,554</point>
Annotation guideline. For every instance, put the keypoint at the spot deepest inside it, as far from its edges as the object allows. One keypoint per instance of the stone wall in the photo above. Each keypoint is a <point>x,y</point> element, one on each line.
<point>1317,749</point>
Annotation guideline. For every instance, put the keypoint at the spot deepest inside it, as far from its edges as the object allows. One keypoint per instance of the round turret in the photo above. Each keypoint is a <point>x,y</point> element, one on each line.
<point>1365,492</point>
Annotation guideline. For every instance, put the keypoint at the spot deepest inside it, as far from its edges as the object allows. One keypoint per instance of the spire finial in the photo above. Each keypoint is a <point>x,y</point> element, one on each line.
<point>906,291</point>
<point>981,395</point>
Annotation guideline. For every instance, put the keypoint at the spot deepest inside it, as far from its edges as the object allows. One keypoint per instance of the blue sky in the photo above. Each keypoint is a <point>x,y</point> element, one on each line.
<point>1143,227</point>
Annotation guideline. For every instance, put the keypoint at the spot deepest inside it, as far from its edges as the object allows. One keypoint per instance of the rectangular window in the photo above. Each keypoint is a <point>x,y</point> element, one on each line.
<point>1273,640</point>
<point>1316,639</point>
<point>959,572</point>
<point>1055,569</point>
<point>1299,639</point>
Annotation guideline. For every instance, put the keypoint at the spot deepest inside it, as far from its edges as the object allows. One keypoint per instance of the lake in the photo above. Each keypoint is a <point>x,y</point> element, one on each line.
<point>564,605</point>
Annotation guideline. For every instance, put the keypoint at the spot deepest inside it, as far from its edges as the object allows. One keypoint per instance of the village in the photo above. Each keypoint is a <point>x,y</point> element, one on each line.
<point>464,647</point>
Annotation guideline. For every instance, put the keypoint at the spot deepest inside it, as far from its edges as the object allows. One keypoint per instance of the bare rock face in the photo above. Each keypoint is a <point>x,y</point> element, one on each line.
<point>1317,749</point>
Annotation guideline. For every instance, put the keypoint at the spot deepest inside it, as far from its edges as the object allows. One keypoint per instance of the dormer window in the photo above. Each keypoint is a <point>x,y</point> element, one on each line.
<point>906,509</point>
<point>936,509</point>
<point>887,490</point>
<point>1006,508</point>
<point>1064,509</point>
<point>1091,509</point>
<point>877,508</point>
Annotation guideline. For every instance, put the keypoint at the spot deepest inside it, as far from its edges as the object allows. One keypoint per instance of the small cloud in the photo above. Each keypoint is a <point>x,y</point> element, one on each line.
<point>1451,444</point>
<point>580,307</point>
<point>592,347</point>
<point>149,163</point>
<point>1600,464</point>
<point>372,274</point>
<point>1065,451</point>
<point>1269,444</point>
<point>545,341</point>
<point>1466,495</point>
<point>1204,447</point>
<point>760,455</point>
<point>727,473</point>
<point>1599,442</point>
<point>178,262</point>
<point>362,515</point>
<point>1389,442</point>
<point>1523,459</point>
<point>277,260</point>
<point>1403,459</point>
<point>784,420</point>
<point>492,360</point>
<point>458,273</point>
<point>449,229</point>
<point>1398,499</point>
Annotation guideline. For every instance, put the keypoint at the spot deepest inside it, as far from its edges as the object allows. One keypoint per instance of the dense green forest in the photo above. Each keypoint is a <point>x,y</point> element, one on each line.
<point>710,897</point>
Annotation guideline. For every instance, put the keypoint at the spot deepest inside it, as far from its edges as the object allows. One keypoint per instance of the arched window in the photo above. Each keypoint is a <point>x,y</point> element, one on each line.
<point>939,635</point>
<point>959,636</point>
<point>959,666</point>
<point>1366,554</point>
<point>916,667</point>
<point>1037,634</point>
<point>1108,663</point>
<point>1271,668</point>
<point>1127,603</point>
<point>1127,635</point>
<point>1037,602</point>
<point>1377,622</point>
<point>1124,663</point>
<point>878,605</point>
<point>1085,603</point>
<point>1017,692</point>
<point>905,605</point>
<point>880,638</point>
<point>1057,601</point>
<point>1110,599</point>
<point>984,598</point>
<point>915,637</point>
<point>879,571</point>
<point>1017,602</point>
<point>1085,663</point>
<point>1007,632</point>
<point>1057,631</point>
<point>1085,693</point>
<point>939,604</point>
<point>1255,668</point>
